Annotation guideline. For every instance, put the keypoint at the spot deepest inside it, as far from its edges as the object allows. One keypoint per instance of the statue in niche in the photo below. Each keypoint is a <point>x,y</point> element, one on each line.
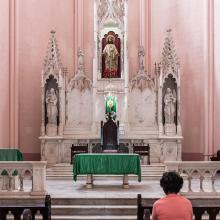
<point>111,56</point>
<point>169,106</point>
<point>51,103</point>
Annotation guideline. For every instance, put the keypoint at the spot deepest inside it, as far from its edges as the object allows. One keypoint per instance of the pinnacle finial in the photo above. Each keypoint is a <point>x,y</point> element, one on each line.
<point>169,56</point>
<point>52,59</point>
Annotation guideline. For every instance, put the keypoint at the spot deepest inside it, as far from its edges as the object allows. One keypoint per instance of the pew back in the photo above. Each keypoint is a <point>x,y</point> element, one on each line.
<point>18,210</point>
<point>210,207</point>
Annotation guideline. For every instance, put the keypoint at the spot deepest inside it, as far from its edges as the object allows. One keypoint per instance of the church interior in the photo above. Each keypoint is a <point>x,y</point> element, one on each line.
<point>100,98</point>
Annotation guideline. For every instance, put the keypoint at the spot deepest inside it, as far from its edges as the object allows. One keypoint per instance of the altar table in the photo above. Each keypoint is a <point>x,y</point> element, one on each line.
<point>106,164</point>
<point>10,155</point>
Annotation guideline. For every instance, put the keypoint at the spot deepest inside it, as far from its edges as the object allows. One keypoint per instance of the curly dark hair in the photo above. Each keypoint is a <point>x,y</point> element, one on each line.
<point>171,182</point>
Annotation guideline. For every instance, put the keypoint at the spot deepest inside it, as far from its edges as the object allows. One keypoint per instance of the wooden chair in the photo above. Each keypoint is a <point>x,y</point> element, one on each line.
<point>96,148</point>
<point>142,151</point>
<point>123,148</point>
<point>217,157</point>
<point>110,135</point>
<point>78,150</point>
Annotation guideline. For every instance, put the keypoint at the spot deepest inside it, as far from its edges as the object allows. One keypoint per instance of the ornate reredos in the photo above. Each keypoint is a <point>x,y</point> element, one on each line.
<point>109,11</point>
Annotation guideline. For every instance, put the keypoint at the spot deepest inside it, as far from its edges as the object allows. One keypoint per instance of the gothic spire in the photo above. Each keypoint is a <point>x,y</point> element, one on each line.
<point>52,59</point>
<point>169,57</point>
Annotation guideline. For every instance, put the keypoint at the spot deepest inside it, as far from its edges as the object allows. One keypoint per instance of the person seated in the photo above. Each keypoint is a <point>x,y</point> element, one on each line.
<point>173,206</point>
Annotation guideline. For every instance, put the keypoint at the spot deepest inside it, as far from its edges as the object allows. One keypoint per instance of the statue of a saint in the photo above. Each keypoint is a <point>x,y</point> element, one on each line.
<point>110,54</point>
<point>169,106</point>
<point>141,55</point>
<point>51,102</point>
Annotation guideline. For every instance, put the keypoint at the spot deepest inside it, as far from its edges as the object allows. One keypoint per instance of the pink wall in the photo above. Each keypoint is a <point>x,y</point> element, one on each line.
<point>188,20</point>
<point>88,36</point>
<point>133,36</point>
<point>73,23</point>
<point>36,19</point>
<point>4,73</point>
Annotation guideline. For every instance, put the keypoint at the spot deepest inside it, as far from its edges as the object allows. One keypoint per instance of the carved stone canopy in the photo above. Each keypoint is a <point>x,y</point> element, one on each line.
<point>110,11</point>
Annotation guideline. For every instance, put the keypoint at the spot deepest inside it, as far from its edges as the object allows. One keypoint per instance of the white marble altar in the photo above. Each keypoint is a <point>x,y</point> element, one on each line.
<point>140,100</point>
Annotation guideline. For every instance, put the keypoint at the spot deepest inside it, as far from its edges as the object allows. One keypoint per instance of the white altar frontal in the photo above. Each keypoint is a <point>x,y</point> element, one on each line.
<point>148,105</point>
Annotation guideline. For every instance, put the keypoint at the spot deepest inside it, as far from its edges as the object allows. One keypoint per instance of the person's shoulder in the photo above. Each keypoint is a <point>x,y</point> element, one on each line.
<point>186,200</point>
<point>159,201</point>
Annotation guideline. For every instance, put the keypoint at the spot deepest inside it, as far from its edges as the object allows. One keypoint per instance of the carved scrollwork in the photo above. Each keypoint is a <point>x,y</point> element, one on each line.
<point>142,80</point>
<point>80,80</point>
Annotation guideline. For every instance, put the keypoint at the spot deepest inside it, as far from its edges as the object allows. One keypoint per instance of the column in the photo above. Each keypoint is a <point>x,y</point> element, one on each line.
<point>13,75</point>
<point>209,84</point>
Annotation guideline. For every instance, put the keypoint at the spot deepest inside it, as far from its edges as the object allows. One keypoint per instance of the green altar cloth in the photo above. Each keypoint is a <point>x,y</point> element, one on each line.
<point>112,164</point>
<point>10,155</point>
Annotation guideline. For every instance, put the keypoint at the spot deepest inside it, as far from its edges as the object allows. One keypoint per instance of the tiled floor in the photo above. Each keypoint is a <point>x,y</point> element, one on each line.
<point>103,189</point>
<point>113,189</point>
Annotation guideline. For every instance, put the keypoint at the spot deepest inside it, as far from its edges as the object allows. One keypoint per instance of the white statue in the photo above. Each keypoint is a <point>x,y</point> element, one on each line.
<point>169,106</point>
<point>141,55</point>
<point>80,61</point>
<point>51,102</point>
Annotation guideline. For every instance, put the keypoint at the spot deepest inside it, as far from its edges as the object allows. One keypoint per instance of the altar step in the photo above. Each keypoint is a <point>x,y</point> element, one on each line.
<point>65,172</point>
<point>93,208</point>
<point>95,217</point>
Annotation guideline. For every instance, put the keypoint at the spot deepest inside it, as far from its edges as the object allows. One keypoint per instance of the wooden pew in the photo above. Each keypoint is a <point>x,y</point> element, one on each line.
<point>212,209</point>
<point>17,210</point>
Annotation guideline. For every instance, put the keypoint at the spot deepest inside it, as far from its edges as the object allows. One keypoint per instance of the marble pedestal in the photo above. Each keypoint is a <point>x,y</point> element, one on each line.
<point>170,129</point>
<point>51,130</point>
